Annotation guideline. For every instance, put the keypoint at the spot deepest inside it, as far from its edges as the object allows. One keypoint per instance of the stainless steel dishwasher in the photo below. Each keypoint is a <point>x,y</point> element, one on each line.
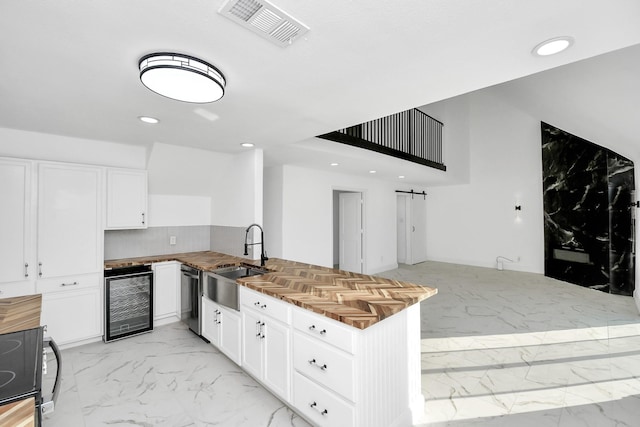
<point>191,292</point>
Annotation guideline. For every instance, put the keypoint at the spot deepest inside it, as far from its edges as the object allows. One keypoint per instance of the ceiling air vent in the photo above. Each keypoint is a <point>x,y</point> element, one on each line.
<point>264,19</point>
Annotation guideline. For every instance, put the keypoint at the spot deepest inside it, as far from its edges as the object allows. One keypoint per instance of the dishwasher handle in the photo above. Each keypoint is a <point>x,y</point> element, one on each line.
<point>48,403</point>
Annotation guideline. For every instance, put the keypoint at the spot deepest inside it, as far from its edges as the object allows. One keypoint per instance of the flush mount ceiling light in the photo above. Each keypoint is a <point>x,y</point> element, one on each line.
<point>181,77</point>
<point>553,46</point>
<point>247,144</point>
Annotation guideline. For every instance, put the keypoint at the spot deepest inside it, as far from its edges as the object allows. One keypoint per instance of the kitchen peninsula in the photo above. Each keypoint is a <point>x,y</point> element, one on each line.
<point>348,345</point>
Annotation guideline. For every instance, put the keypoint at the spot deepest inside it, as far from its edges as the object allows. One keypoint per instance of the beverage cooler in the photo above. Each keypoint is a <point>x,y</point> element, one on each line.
<point>129,302</point>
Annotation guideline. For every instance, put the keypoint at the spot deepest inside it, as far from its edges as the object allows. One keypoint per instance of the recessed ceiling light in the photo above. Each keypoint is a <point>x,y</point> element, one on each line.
<point>553,46</point>
<point>247,144</point>
<point>401,176</point>
<point>147,119</point>
<point>181,77</point>
<point>334,164</point>
<point>372,171</point>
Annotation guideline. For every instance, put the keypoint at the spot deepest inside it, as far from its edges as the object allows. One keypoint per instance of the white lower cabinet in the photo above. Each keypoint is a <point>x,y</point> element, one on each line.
<point>166,292</point>
<point>221,326</point>
<point>320,405</point>
<point>72,308</point>
<point>266,341</point>
<point>332,374</point>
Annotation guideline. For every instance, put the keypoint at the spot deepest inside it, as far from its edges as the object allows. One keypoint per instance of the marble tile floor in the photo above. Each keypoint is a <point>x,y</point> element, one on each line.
<point>504,348</point>
<point>499,348</point>
<point>169,377</point>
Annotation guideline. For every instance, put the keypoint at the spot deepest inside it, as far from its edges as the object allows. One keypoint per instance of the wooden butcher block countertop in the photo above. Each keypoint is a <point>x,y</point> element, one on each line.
<point>354,299</point>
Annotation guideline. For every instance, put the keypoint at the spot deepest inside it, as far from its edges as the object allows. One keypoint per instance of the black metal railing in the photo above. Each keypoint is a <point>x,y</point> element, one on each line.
<point>409,135</point>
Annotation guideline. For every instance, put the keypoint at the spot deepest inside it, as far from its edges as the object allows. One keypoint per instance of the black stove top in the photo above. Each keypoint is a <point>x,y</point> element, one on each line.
<point>20,365</point>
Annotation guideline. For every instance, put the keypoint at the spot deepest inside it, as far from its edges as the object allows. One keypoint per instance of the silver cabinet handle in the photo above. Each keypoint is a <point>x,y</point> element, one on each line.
<point>263,306</point>
<point>217,318</point>
<point>262,330</point>
<point>26,269</point>
<point>313,328</point>
<point>314,405</point>
<point>70,284</point>
<point>40,269</point>
<point>258,329</point>
<point>322,367</point>
<point>142,218</point>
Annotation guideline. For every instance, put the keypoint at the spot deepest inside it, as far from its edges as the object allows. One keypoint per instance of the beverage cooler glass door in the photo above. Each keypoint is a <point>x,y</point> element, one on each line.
<point>129,303</point>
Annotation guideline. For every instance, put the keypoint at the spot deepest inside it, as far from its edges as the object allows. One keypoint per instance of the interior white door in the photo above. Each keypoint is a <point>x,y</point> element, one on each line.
<point>418,229</point>
<point>401,212</point>
<point>351,232</point>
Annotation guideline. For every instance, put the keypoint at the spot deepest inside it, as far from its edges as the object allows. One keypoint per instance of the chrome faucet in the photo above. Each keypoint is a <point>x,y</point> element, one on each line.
<point>263,257</point>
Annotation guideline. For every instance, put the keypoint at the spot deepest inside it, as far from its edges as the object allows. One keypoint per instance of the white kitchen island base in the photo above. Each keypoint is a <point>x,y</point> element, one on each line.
<point>343,376</point>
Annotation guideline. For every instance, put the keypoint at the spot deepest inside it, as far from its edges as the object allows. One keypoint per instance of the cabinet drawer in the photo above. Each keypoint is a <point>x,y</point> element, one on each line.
<point>67,283</point>
<point>325,329</point>
<point>326,365</point>
<point>262,303</point>
<point>319,405</point>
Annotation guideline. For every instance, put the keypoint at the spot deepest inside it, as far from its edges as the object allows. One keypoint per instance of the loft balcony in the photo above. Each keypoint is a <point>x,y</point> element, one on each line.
<point>409,135</point>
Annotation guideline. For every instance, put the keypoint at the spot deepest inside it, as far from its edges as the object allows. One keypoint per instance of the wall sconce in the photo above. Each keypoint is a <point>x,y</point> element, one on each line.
<point>518,211</point>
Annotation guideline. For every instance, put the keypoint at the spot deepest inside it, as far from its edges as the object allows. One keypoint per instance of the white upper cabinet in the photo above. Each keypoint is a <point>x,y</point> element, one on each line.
<point>69,220</point>
<point>15,220</point>
<point>126,199</point>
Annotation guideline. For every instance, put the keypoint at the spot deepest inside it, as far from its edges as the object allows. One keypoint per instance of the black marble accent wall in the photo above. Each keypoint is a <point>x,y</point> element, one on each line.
<point>588,218</point>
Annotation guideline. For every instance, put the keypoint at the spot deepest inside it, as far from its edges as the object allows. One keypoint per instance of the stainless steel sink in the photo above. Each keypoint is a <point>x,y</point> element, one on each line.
<point>220,285</point>
<point>239,271</point>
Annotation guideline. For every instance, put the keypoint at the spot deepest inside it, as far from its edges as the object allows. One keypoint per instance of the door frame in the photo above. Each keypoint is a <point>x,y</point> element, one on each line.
<point>336,222</point>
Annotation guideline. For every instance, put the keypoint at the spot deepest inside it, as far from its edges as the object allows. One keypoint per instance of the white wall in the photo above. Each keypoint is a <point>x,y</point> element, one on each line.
<point>454,114</point>
<point>474,223</point>
<point>190,186</point>
<point>42,146</point>
<point>273,205</point>
<point>237,199</point>
<point>307,216</point>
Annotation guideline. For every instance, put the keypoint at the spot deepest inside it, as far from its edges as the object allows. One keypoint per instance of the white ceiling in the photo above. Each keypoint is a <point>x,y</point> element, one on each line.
<point>69,67</point>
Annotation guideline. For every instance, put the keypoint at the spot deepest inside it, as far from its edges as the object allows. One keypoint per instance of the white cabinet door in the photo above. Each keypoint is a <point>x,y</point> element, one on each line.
<point>229,340</point>
<point>277,364</point>
<point>69,220</point>
<point>126,198</point>
<point>15,221</point>
<point>210,319</point>
<point>251,343</point>
<point>221,326</point>
<point>72,316</point>
<point>266,352</point>
<point>166,290</point>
